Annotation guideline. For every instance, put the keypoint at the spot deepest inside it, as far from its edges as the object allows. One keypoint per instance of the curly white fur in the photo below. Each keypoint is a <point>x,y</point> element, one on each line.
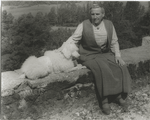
<point>52,62</point>
<point>62,59</point>
<point>35,68</point>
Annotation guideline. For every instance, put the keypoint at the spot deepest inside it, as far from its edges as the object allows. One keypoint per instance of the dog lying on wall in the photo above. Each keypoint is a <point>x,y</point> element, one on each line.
<point>62,59</point>
<point>34,68</point>
<point>55,61</point>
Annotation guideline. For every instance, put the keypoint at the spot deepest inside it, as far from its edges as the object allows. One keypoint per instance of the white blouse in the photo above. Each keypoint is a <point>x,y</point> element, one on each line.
<point>100,34</point>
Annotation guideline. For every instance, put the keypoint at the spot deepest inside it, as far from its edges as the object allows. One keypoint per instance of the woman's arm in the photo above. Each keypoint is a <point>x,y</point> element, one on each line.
<point>115,44</point>
<point>77,35</point>
<point>115,48</point>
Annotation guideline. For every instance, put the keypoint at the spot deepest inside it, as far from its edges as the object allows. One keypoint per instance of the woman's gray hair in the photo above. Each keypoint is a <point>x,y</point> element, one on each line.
<point>97,6</point>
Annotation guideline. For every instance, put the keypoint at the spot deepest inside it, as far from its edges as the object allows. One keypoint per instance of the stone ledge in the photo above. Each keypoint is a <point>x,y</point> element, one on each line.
<point>145,40</point>
<point>136,55</point>
<point>137,59</point>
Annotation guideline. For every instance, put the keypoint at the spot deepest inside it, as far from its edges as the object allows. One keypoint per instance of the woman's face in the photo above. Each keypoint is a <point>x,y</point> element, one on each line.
<point>96,15</point>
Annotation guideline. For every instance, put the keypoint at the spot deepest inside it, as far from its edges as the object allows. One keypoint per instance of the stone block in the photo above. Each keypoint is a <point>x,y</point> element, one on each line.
<point>146,40</point>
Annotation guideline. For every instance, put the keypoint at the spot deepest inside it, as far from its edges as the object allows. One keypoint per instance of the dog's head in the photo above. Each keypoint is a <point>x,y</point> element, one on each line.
<point>70,50</point>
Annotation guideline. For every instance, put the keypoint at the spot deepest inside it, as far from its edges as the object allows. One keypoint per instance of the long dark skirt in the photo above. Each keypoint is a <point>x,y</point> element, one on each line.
<point>110,78</point>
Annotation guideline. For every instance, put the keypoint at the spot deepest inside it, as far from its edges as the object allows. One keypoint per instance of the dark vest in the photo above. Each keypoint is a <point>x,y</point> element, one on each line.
<point>88,44</point>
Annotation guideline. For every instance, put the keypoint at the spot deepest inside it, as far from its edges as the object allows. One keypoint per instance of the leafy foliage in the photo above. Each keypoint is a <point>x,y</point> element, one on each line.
<point>125,21</point>
<point>145,23</point>
<point>52,16</point>
<point>28,36</point>
<point>133,12</point>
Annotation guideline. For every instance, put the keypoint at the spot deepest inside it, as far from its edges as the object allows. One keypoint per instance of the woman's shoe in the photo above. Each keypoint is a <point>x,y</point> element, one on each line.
<point>106,109</point>
<point>123,104</point>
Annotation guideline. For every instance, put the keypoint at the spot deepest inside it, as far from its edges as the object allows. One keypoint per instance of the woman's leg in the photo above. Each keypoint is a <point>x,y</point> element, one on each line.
<point>110,78</point>
<point>103,100</point>
<point>122,102</point>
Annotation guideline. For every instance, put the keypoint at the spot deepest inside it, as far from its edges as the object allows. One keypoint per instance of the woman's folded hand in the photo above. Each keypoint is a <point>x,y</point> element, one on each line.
<point>119,61</point>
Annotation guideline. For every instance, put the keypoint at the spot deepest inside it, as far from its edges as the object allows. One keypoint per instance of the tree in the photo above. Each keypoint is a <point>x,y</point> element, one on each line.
<point>4,16</point>
<point>133,11</point>
<point>7,24</point>
<point>72,12</point>
<point>52,16</point>
<point>82,13</point>
<point>79,14</point>
<point>145,23</point>
<point>62,14</point>
<point>113,11</point>
<point>7,20</point>
<point>126,20</point>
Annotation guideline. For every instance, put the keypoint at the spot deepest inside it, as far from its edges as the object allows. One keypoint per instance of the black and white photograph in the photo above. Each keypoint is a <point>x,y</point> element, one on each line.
<point>75,60</point>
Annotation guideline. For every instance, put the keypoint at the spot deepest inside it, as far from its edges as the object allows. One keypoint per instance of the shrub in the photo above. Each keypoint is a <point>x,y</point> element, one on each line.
<point>29,36</point>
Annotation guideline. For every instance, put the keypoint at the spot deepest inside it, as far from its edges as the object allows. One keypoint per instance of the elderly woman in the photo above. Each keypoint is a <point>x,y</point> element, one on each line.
<point>99,51</point>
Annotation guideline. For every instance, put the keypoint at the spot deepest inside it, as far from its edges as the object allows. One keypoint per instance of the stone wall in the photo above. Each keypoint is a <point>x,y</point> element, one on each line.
<point>20,93</point>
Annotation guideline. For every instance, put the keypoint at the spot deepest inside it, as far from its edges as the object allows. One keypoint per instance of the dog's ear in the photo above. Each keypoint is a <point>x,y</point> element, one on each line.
<point>75,54</point>
<point>73,47</point>
<point>66,53</point>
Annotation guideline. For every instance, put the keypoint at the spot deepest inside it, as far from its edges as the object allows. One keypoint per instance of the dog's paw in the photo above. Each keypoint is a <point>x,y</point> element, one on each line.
<point>23,76</point>
<point>79,66</point>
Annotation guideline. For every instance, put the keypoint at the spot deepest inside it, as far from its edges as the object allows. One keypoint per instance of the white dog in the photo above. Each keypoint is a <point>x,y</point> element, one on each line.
<point>55,61</point>
<point>62,59</point>
<point>34,68</point>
